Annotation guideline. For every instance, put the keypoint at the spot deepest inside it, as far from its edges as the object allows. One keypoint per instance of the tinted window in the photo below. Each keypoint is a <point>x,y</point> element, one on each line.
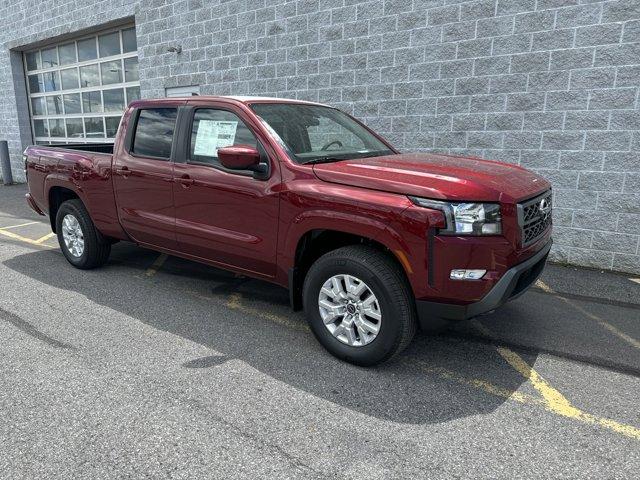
<point>214,129</point>
<point>154,132</point>
<point>111,72</point>
<point>109,44</point>
<point>89,76</point>
<point>87,49</point>
<point>129,40</point>
<point>67,53</point>
<point>113,100</point>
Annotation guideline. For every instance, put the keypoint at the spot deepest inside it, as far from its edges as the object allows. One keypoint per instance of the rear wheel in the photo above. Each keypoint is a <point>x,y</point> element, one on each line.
<point>359,305</point>
<point>81,243</point>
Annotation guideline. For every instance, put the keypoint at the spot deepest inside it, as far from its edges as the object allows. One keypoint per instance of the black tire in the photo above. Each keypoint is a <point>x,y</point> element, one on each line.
<point>96,246</point>
<point>388,283</point>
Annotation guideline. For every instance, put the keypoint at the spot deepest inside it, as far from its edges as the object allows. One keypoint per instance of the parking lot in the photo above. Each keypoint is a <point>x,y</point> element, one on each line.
<point>158,367</point>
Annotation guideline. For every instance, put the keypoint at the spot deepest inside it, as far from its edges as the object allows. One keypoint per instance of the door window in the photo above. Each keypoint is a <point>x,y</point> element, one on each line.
<point>153,136</point>
<point>213,129</point>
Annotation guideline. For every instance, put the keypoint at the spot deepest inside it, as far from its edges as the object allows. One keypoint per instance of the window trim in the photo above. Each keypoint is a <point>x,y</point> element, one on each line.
<point>185,155</point>
<point>131,134</point>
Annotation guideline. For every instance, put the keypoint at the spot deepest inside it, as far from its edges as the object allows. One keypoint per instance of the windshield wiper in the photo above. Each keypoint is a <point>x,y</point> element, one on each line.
<point>380,153</point>
<point>323,160</point>
<point>354,156</point>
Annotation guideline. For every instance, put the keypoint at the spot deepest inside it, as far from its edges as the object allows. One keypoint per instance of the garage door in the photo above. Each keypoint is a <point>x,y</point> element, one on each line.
<point>79,88</point>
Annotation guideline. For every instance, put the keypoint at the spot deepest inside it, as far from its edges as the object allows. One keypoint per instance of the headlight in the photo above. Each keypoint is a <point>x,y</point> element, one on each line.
<point>466,218</point>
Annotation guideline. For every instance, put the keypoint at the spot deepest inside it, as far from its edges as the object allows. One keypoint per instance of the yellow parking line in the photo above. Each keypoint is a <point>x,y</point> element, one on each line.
<point>20,238</point>
<point>45,237</point>
<point>632,341</point>
<point>19,225</point>
<point>484,385</point>
<point>604,324</point>
<point>544,287</point>
<point>553,400</point>
<point>234,302</point>
<point>155,266</point>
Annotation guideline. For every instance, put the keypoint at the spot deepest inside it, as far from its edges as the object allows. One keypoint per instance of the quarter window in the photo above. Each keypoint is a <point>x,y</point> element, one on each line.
<point>153,136</point>
<point>78,89</point>
<point>213,129</point>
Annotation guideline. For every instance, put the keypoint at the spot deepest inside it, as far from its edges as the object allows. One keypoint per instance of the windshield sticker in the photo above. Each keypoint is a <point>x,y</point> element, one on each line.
<point>214,134</point>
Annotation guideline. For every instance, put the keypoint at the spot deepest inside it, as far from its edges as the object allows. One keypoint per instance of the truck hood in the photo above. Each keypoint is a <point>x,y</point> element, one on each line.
<point>436,176</point>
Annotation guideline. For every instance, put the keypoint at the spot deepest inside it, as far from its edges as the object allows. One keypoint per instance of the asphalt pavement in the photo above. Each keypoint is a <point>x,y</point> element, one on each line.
<point>156,367</point>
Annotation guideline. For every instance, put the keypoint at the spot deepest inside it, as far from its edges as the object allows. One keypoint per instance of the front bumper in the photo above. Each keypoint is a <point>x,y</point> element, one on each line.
<point>513,283</point>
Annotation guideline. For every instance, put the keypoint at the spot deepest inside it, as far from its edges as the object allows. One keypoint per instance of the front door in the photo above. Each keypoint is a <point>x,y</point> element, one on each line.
<point>224,216</point>
<point>143,176</point>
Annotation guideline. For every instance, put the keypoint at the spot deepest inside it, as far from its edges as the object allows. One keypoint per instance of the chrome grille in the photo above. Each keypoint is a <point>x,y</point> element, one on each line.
<point>534,217</point>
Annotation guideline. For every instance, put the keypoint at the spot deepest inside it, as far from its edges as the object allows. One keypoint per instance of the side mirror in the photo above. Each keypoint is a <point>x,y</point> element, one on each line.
<point>239,157</point>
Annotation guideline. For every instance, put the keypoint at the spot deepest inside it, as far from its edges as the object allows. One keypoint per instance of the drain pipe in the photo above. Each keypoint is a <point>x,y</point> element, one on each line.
<point>5,163</point>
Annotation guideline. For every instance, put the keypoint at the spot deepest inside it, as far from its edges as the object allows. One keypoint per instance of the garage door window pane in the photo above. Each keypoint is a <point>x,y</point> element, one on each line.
<point>91,102</point>
<point>74,128</point>
<point>131,70</point>
<point>112,124</point>
<point>154,132</point>
<point>129,43</point>
<point>69,78</point>
<point>56,127</point>
<point>51,81</point>
<point>87,49</point>
<point>67,53</point>
<point>72,103</point>
<point>133,93</point>
<point>33,60</point>
<point>37,106</point>
<point>89,76</point>
<point>36,84</point>
<point>109,44</point>
<point>41,128</point>
<point>50,57</point>
<point>111,72</point>
<point>113,100</point>
<point>54,105</point>
<point>93,127</point>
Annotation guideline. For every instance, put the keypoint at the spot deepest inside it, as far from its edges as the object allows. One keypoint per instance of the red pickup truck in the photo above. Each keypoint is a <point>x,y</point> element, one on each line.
<point>371,242</point>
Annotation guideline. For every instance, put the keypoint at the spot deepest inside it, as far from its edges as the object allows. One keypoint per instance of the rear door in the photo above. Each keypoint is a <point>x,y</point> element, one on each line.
<point>228,217</point>
<point>143,176</point>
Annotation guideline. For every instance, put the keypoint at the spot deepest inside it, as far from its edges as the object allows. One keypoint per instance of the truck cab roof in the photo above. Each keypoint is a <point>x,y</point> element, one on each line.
<point>246,99</point>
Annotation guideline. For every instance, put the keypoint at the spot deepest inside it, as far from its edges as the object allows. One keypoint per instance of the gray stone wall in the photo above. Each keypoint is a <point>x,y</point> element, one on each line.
<point>551,85</point>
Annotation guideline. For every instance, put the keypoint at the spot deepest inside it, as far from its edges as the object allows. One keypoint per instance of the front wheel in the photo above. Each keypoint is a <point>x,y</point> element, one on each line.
<point>359,305</point>
<point>81,243</point>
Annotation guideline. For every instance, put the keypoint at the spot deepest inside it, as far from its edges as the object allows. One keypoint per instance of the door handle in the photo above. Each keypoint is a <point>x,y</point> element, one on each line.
<point>185,180</point>
<point>123,171</point>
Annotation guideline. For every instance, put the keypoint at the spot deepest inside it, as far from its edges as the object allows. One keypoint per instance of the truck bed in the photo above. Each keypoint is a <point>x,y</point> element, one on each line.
<point>86,147</point>
<point>82,168</point>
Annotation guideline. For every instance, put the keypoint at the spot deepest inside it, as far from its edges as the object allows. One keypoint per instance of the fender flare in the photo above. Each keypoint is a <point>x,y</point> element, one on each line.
<point>360,225</point>
<point>56,180</point>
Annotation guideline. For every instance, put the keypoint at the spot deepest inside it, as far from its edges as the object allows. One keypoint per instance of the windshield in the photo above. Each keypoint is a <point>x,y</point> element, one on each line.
<point>313,133</point>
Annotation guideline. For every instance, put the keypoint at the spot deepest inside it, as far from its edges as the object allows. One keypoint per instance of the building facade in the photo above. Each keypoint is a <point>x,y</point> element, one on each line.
<point>552,85</point>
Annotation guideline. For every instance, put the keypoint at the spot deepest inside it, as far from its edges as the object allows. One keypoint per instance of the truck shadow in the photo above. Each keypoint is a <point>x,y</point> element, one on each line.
<point>405,390</point>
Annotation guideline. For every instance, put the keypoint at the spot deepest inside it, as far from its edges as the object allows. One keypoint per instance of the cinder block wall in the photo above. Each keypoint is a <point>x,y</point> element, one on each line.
<point>551,85</point>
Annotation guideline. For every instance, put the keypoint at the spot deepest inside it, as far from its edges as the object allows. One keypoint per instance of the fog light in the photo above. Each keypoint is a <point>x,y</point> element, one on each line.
<point>460,274</point>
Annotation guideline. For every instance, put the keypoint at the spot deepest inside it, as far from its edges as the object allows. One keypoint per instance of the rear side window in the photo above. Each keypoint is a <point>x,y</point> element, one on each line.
<point>214,129</point>
<point>154,132</point>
